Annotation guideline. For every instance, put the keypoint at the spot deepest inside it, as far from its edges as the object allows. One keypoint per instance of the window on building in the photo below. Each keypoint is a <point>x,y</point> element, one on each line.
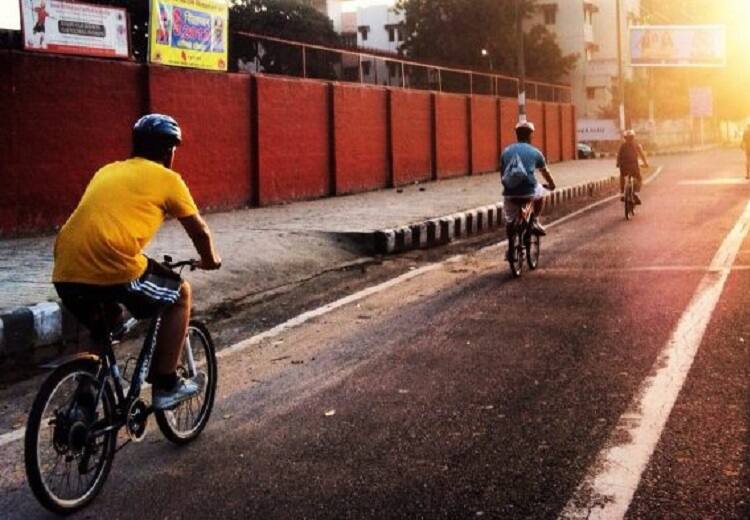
<point>366,68</point>
<point>364,30</point>
<point>349,39</point>
<point>591,92</point>
<point>391,32</point>
<point>550,14</point>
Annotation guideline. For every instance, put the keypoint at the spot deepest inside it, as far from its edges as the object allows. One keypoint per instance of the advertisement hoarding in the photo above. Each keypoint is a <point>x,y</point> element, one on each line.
<point>74,28</point>
<point>678,46</point>
<point>189,33</point>
<point>597,130</point>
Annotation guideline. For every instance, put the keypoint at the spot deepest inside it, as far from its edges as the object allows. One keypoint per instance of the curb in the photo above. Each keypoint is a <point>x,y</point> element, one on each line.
<point>46,324</point>
<point>442,230</point>
<point>655,153</point>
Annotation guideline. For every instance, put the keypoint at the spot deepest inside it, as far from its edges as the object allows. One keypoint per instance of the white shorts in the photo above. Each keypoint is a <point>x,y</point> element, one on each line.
<point>512,205</point>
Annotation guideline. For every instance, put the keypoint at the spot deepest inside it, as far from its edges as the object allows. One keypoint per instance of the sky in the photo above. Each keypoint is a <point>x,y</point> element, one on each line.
<point>10,14</point>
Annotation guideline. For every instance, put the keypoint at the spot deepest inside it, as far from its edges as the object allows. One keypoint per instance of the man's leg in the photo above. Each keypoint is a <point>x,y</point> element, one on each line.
<point>172,333</point>
<point>622,186</point>
<point>637,185</point>
<point>536,226</point>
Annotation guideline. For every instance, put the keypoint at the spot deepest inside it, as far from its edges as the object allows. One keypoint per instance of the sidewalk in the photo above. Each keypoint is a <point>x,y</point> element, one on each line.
<point>264,248</point>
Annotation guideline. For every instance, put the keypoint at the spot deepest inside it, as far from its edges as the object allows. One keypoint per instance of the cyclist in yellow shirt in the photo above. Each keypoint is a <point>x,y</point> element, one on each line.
<point>99,251</point>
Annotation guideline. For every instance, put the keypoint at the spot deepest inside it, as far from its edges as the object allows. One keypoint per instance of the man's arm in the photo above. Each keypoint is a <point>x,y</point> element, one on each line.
<point>548,177</point>
<point>198,231</point>
<point>642,155</point>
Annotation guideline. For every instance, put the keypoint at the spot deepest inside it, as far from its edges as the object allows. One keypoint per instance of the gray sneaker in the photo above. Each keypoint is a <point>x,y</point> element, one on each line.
<point>182,391</point>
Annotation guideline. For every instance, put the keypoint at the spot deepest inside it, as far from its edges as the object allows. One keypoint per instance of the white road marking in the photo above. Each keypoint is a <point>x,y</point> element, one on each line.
<point>719,181</point>
<point>14,435</point>
<point>609,486</point>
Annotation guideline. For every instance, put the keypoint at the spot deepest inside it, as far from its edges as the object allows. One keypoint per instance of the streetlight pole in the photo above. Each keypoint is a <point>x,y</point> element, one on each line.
<point>620,77</point>
<point>521,64</point>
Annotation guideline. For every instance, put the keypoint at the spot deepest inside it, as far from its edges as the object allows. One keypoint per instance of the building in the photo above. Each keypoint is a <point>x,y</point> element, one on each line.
<point>373,24</point>
<point>588,28</point>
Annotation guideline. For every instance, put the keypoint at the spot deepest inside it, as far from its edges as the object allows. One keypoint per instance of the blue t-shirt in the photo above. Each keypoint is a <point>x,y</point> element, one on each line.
<point>532,160</point>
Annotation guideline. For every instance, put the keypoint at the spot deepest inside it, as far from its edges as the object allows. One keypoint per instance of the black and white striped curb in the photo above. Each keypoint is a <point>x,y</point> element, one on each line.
<point>441,230</point>
<point>34,326</point>
<point>27,328</point>
<point>653,153</point>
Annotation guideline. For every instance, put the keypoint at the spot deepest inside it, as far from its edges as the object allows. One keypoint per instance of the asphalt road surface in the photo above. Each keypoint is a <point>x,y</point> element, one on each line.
<point>462,393</point>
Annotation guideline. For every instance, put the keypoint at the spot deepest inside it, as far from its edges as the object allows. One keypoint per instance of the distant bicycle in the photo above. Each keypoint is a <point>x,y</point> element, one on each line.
<point>72,430</point>
<point>524,246</point>
<point>629,197</point>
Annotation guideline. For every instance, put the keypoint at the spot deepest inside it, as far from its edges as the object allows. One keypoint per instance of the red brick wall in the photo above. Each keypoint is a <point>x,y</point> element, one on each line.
<point>361,138</point>
<point>214,113</point>
<point>535,114</point>
<point>70,116</point>
<point>8,169</point>
<point>552,130</point>
<point>293,140</point>
<point>568,133</point>
<point>411,127</point>
<point>452,135</point>
<point>508,120</point>
<point>484,134</point>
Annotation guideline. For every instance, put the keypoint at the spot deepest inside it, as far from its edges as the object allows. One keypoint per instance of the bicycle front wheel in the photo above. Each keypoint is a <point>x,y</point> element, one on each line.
<point>515,255</point>
<point>187,420</point>
<point>533,249</point>
<point>67,461</point>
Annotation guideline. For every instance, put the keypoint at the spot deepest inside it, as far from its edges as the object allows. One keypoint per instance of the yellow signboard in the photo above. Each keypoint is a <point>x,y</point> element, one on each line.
<point>189,33</point>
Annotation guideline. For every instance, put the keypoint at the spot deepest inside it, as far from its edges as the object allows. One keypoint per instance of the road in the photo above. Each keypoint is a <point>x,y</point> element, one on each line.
<point>458,392</point>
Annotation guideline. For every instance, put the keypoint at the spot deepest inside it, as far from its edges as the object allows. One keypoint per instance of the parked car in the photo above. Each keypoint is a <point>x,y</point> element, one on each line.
<point>585,151</point>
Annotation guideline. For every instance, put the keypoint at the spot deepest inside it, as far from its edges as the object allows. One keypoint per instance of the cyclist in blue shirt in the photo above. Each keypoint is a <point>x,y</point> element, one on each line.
<point>518,163</point>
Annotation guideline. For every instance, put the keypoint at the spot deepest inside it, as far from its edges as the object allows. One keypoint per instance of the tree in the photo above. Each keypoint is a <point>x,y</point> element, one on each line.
<point>455,32</point>
<point>287,19</point>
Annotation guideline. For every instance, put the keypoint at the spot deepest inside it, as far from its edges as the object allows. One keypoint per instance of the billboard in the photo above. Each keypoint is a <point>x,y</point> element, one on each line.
<point>189,33</point>
<point>678,46</point>
<point>74,28</point>
<point>597,130</point>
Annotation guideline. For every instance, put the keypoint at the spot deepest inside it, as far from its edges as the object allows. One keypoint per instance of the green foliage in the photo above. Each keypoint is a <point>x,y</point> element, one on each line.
<point>288,19</point>
<point>455,32</point>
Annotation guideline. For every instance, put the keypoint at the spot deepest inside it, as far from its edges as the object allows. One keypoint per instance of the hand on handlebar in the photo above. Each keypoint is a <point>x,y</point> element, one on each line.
<point>209,265</point>
<point>550,187</point>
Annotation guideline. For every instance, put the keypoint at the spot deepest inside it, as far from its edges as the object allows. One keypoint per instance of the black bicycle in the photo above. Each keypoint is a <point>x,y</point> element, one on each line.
<point>524,246</point>
<point>72,430</point>
<point>629,197</point>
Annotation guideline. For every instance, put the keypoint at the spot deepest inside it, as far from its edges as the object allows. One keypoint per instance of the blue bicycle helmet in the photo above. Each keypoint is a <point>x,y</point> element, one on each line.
<point>158,129</point>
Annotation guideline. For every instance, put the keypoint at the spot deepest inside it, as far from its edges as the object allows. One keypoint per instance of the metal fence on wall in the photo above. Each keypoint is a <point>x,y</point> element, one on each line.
<point>255,53</point>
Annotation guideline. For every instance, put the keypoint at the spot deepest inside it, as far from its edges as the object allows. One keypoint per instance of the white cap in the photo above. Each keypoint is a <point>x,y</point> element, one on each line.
<point>629,133</point>
<point>525,124</point>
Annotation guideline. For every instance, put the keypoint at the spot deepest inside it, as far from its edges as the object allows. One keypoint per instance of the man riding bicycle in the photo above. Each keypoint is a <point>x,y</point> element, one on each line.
<point>518,163</point>
<point>627,161</point>
<point>99,260</point>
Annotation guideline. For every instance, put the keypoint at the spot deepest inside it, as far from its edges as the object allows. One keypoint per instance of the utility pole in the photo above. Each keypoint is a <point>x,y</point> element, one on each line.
<point>521,64</point>
<point>620,77</point>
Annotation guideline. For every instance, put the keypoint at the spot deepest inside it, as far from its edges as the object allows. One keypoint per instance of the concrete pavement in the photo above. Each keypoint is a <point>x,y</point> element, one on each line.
<point>268,248</point>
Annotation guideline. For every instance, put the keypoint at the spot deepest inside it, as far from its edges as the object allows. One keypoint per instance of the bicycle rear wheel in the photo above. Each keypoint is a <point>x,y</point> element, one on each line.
<point>187,420</point>
<point>66,464</point>
<point>515,255</point>
<point>629,200</point>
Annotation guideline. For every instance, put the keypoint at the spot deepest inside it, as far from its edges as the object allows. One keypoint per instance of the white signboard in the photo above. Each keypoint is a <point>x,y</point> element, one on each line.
<point>597,130</point>
<point>701,102</point>
<point>678,46</point>
<point>74,28</point>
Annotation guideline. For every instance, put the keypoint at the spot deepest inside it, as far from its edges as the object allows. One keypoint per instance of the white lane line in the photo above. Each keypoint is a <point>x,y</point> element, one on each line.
<point>608,488</point>
<point>9,437</point>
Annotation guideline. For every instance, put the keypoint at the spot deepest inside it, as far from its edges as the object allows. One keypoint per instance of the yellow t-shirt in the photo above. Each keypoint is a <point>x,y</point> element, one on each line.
<point>120,212</point>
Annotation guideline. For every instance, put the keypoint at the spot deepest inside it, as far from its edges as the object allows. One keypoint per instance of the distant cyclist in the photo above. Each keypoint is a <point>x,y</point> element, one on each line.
<point>99,260</point>
<point>746,146</point>
<point>627,161</point>
<point>518,163</point>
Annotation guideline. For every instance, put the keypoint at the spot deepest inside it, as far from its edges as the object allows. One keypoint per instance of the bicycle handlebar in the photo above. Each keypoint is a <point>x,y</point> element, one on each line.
<point>168,262</point>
